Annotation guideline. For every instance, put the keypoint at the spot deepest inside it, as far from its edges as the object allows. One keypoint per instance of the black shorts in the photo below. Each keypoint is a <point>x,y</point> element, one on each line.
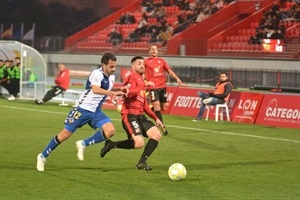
<point>158,95</point>
<point>136,124</point>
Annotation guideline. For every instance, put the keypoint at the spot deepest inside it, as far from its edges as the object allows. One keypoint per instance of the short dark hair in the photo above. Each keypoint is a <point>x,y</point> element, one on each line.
<point>1,60</point>
<point>107,57</point>
<point>223,73</point>
<point>17,58</point>
<point>136,58</point>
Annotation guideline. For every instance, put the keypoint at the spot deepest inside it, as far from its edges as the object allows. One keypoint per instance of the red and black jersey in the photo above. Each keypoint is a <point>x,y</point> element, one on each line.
<point>135,102</point>
<point>155,71</point>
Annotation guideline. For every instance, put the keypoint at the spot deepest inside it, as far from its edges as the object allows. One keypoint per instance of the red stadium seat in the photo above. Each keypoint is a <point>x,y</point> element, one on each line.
<point>288,5</point>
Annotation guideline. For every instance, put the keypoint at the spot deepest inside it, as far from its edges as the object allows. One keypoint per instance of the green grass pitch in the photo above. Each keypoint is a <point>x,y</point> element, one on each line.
<point>224,160</point>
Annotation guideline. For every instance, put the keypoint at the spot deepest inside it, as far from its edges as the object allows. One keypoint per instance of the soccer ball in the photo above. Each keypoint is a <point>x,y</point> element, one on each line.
<point>177,172</point>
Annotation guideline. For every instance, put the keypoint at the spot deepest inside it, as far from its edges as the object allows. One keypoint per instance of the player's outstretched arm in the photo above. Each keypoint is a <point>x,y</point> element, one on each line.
<point>173,75</point>
<point>98,90</point>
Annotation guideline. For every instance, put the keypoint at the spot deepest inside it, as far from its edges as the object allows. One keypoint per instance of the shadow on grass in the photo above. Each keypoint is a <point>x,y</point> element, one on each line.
<point>204,145</point>
<point>22,166</point>
<point>231,164</point>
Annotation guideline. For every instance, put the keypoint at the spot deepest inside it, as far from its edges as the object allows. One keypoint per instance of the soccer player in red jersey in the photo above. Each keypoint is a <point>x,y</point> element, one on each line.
<point>155,72</point>
<point>134,121</point>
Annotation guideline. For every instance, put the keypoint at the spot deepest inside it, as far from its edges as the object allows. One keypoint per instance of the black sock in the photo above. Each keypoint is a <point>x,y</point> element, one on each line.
<point>124,144</point>
<point>56,140</point>
<point>149,148</point>
<point>158,114</point>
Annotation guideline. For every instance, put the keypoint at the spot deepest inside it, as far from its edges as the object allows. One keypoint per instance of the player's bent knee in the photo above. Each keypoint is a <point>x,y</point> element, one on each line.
<point>138,144</point>
<point>154,133</point>
<point>64,135</point>
<point>109,133</point>
<point>109,130</point>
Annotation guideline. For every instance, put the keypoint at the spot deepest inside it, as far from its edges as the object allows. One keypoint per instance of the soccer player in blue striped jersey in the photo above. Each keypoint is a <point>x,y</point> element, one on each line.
<point>99,85</point>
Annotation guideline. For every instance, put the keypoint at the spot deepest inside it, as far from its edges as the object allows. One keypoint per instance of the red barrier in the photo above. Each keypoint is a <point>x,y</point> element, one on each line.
<point>245,106</point>
<point>280,110</point>
<point>186,102</point>
<point>171,94</point>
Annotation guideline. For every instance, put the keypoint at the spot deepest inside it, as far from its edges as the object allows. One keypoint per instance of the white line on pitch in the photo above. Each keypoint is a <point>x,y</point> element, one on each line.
<point>179,127</point>
<point>230,133</point>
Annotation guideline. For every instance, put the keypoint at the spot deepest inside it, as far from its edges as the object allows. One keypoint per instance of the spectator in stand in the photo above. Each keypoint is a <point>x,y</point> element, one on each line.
<point>164,36</point>
<point>275,7</point>
<point>282,27</point>
<point>181,17</point>
<point>166,2</point>
<point>157,28</point>
<point>133,36</point>
<point>163,21</point>
<point>150,10</point>
<point>157,3</point>
<point>269,33</point>
<point>277,35</point>
<point>275,20</point>
<point>180,27</point>
<point>115,37</point>
<point>257,39</point>
<point>144,16</point>
<point>62,82</point>
<point>145,4</point>
<point>191,16</point>
<point>170,29</point>
<point>220,4</point>
<point>179,3</point>
<point>291,15</point>
<point>142,23</point>
<point>213,9</point>
<point>153,36</point>
<point>126,18</point>
<point>160,12</point>
<point>200,17</point>
<point>161,37</point>
<point>185,5</point>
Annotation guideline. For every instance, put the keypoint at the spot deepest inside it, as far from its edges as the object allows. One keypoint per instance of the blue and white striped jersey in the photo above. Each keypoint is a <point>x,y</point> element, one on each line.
<point>91,101</point>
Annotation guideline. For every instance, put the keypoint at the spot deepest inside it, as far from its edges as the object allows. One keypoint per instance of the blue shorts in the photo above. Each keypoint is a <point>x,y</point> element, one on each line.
<point>79,117</point>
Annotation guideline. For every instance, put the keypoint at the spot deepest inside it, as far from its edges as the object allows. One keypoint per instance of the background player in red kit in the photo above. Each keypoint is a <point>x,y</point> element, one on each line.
<point>134,121</point>
<point>155,72</point>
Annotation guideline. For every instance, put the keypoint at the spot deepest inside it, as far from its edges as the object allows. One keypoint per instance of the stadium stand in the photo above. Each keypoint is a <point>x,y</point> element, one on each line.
<point>239,44</point>
<point>222,33</point>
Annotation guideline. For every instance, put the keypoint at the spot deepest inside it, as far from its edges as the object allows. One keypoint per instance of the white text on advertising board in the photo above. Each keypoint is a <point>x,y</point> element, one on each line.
<point>187,102</point>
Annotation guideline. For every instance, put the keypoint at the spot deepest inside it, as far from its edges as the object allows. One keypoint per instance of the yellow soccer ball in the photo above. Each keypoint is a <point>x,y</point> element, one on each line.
<point>177,172</point>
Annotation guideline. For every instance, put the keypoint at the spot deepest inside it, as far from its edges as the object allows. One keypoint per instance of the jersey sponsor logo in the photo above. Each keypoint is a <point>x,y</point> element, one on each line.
<point>71,120</point>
